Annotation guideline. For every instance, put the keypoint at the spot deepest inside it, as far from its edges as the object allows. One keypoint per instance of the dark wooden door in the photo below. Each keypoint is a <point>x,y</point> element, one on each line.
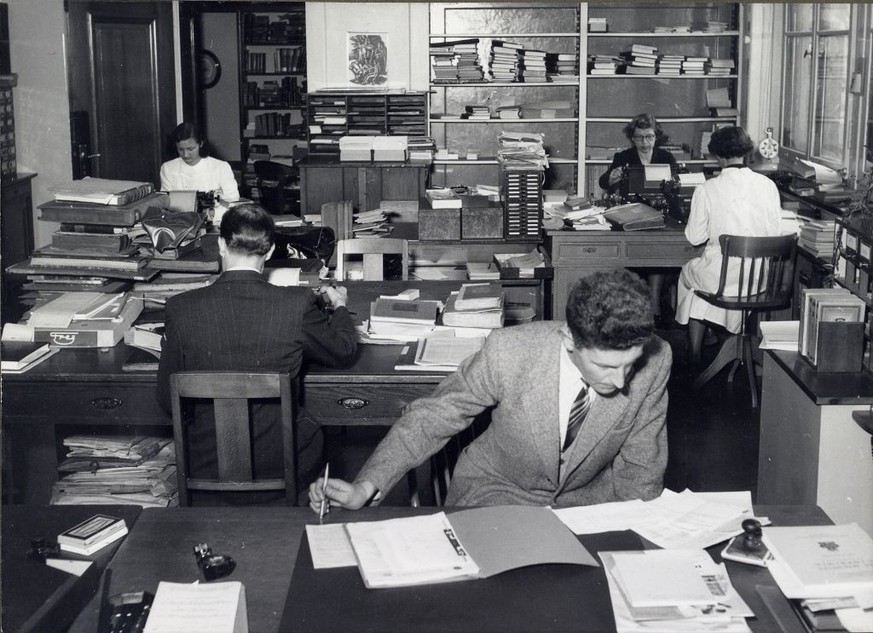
<point>121,68</point>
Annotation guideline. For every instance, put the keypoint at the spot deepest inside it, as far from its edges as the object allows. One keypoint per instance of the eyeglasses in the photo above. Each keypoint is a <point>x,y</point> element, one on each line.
<point>644,137</point>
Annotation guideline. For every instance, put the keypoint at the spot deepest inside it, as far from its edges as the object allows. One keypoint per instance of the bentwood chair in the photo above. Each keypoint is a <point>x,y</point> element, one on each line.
<point>757,275</point>
<point>231,393</point>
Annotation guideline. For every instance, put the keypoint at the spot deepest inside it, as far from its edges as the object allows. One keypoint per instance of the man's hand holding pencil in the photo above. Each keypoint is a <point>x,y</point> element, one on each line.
<point>325,492</point>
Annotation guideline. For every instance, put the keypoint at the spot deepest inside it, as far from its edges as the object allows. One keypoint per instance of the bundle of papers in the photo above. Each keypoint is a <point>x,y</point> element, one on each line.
<point>672,591</point>
<point>780,335</point>
<point>829,567</point>
<point>672,521</point>
<point>371,224</point>
<point>441,353</point>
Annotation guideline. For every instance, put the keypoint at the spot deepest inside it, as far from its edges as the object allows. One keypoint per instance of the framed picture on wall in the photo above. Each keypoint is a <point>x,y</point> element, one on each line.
<point>367,59</point>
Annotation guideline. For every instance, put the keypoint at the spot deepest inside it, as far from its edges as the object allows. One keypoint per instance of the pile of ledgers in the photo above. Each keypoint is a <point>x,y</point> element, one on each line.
<point>135,470</point>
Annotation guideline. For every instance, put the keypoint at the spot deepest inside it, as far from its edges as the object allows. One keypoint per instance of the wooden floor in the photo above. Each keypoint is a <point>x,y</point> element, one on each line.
<point>712,435</point>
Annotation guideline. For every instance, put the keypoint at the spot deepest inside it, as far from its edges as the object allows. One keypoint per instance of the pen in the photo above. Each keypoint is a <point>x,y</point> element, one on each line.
<point>323,492</point>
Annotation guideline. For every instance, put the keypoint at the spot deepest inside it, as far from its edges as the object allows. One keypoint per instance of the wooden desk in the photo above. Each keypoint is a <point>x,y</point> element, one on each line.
<point>811,449</point>
<point>265,544</point>
<point>327,179</point>
<point>575,253</point>
<point>87,387</point>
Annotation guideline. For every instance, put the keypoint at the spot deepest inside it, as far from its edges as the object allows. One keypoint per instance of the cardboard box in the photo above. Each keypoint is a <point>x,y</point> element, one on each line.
<point>439,224</point>
<point>482,223</point>
<point>92,333</point>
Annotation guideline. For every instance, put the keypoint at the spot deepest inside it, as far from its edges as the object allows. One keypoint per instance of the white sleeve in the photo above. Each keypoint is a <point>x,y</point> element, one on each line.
<point>227,182</point>
<point>167,182</point>
<point>697,230</point>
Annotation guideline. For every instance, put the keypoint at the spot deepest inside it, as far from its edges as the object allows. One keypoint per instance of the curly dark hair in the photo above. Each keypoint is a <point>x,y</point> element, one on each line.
<point>610,310</point>
<point>184,131</point>
<point>730,142</point>
<point>644,121</point>
<point>248,229</point>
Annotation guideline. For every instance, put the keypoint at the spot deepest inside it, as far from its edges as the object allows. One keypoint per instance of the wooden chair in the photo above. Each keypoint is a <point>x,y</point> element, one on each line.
<point>230,392</point>
<point>764,282</point>
<point>274,180</point>
<point>373,250</point>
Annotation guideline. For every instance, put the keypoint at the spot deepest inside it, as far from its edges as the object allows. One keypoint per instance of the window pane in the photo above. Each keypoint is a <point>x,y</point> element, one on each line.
<point>834,17</point>
<point>797,91</point>
<point>799,17</point>
<point>831,91</point>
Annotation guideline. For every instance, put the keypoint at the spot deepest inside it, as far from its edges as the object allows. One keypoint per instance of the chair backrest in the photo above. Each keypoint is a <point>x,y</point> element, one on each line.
<point>230,393</point>
<point>373,250</point>
<point>273,178</point>
<point>756,272</point>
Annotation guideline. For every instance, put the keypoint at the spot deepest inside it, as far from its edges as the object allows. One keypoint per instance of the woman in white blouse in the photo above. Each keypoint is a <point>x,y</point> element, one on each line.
<point>737,202</point>
<point>195,169</point>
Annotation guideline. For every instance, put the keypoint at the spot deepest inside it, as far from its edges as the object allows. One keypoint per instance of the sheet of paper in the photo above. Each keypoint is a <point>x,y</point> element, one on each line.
<point>215,607</point>
<point>605,517</point>
<point>657,173</point>
<point>330,546</point>
<point>446,350</point>
<point>75,567</point>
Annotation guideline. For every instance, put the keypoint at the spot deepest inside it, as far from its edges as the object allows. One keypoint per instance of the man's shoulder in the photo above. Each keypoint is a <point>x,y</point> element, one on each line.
<point>536,332</point>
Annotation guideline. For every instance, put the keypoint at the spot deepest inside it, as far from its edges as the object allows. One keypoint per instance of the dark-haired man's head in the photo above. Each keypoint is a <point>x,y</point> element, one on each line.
<point>247,236</point>
<point>609,321</point>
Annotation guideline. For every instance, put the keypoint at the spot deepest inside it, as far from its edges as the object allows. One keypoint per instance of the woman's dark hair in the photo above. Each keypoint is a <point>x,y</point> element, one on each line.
<point>730,142</point>
<point>248,229</point>
<point>610,310</point>
<point>645,121</point>
<point>186,130</point>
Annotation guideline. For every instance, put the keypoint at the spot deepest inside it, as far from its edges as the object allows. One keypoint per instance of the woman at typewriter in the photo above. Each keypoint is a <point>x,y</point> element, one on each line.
<point>195,169</point>
<point>738,201</point>
<point>645,134</point>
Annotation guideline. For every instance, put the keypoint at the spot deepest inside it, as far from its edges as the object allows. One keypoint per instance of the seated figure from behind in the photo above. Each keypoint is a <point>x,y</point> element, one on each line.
<point>243,323</point>
<point>577,411</point>
<point>738,201</point>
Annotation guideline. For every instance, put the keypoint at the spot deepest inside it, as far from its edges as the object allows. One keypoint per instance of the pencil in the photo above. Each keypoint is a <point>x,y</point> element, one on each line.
<point>323,492</point>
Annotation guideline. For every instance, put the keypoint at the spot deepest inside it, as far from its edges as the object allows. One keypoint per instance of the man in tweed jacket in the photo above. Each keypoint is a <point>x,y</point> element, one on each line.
<point>529,376</point>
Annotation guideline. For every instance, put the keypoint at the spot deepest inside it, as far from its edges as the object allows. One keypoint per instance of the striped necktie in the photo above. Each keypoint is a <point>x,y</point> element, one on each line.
<point>577,416</point>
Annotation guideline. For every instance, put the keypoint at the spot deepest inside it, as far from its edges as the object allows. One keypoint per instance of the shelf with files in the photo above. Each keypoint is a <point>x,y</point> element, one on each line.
<point>332,114</point>
<point>659,40</point>
<point>496,49</point>
<point>272,83</point>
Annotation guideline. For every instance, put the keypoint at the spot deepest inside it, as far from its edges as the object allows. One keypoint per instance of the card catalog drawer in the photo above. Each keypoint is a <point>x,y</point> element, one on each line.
<point>662,250</point>
<point>82,403</point>
<point>361,404</point>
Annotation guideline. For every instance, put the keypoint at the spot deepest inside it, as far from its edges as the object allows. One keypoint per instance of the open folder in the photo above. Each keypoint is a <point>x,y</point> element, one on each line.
<point>475,543</point>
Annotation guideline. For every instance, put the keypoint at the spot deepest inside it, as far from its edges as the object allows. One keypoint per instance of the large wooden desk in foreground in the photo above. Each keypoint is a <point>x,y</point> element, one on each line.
<point>575,253</point>
<point>87,389</point>
<point>265,544</point>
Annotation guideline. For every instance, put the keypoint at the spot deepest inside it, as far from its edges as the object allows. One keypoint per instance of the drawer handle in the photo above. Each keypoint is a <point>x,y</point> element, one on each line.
<point>107,403</point>
<point>352,403</point>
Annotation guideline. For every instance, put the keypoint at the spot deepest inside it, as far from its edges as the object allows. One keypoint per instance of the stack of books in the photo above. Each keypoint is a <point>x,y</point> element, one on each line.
<point>533,65</point>
<point>476,113</point>
<point>670,65</point>
<point>475,305</point>
<point>403,319</point>
<point>817,236</point>
<point>562,67</point>
<point>694,65</point>
<point>825,572</point>
<point>720,67</point>
<point>597,25</point>
<point>504,60</point>
<point>672,590</point>
<point>92,535</point>
<point>641,59</point>
<point>421,149</point>
<point>603,64</point>
<point>509,112</point>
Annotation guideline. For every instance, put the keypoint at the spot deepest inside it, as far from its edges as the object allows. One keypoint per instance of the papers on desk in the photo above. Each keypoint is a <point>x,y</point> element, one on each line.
<point>672,591</point>
<point>330,546</point>
<point>475,543</point>
<point>673,520</point>
<point>215,607</point>
<point>780,335</point>
<point>438,353</point>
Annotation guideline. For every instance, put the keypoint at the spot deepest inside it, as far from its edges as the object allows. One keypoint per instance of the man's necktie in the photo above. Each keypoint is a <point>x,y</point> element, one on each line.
<point>577,416</point>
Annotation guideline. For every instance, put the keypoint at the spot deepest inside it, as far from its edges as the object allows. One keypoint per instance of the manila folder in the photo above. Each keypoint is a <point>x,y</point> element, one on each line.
<point>500,538</point>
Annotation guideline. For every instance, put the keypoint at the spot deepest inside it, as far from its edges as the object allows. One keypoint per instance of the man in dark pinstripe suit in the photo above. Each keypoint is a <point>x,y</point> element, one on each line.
<point>243,323</point>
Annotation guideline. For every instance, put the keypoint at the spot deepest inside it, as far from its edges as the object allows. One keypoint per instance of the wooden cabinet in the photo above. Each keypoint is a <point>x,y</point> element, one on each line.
<point>679,101</point>
<point>16,232</point>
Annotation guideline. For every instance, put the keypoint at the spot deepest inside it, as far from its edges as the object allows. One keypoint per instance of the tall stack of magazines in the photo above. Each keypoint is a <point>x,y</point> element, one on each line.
<point>120,470</point>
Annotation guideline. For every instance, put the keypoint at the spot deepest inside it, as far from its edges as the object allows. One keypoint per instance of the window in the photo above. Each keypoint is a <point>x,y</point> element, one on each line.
<point>815,98</point>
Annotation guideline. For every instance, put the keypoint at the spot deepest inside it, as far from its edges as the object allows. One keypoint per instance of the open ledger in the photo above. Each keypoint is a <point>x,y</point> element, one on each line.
<point>475,543</point>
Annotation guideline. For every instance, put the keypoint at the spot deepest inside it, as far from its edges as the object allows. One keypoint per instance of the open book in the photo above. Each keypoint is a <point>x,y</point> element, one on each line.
<point>475,543</point>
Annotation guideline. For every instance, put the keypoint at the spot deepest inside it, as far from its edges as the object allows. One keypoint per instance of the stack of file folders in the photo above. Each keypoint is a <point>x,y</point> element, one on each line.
<point>475,305</point>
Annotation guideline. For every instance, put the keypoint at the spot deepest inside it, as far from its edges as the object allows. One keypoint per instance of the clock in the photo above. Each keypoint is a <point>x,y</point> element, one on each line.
<point>210,69</point>
<point>768,147</point>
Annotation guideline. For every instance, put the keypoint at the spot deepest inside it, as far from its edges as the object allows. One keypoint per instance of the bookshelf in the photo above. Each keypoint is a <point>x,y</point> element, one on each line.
<point>272,84</point>
<point>853,269</point>
<point>679,101</point>
<point>546,105</point>
<point>331,114</point>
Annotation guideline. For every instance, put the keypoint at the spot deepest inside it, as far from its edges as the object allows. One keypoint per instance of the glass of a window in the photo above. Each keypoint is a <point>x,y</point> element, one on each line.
<point>834,17</point>
<point>829,124</point>
<point>799,16</point>
<point>798,80</point>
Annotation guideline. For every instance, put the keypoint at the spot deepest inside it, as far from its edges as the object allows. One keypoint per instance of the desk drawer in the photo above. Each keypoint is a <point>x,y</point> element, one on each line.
<point>365,405</point>
<point>82,403</point>
<point>586,251</point>
<point>660,250</point>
